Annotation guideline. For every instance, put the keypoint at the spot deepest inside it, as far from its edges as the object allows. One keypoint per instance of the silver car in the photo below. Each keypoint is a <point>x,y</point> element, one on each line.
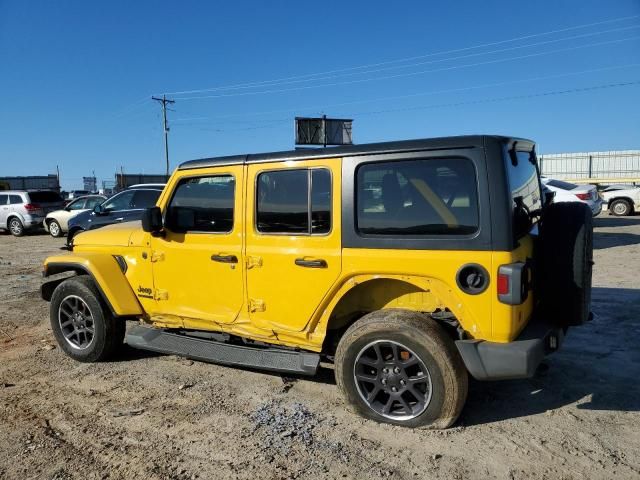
<point>22,210</point>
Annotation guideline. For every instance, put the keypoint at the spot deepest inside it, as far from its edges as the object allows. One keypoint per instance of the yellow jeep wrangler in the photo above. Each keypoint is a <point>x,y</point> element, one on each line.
<point>407,265</point>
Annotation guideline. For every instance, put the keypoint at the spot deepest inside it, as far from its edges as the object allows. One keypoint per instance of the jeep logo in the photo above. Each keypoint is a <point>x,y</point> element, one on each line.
<point>144,290</point>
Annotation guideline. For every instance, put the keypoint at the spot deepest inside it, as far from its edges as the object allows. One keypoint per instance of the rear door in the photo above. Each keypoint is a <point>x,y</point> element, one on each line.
<point>293,243</point>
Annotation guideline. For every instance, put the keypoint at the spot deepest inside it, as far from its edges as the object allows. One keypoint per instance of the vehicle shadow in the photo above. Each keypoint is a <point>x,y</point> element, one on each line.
<point>596,369</point>
<point>611,221</point>
<point>608,240</point>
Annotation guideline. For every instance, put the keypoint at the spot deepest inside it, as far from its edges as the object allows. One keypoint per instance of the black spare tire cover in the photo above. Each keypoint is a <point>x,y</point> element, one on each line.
<point>567,261</point>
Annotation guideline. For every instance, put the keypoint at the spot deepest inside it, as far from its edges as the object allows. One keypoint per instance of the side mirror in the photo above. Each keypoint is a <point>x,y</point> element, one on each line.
<point>98,210</point>
<point>152,220</point>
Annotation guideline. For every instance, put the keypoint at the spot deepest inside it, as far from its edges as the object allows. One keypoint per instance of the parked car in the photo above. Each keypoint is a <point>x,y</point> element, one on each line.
<point>570,192</point>
<point>125,206</point>
<point>57,222</point>
<point>408,265</point>
<point>22,210</point>
<point>621,200</point>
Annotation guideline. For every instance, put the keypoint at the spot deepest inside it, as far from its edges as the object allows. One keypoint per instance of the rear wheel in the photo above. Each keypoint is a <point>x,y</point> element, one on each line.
<point>620,208</point>
<point>82,325</point>
<point>54,229</point>
<point>15,227</point>
<point>398,366</point>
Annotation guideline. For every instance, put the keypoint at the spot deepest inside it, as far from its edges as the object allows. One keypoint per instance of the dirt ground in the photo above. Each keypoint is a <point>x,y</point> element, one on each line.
<point>151,416</point>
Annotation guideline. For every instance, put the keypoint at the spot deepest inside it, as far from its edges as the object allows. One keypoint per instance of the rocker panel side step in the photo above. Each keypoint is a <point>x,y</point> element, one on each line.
<point>272,359</point>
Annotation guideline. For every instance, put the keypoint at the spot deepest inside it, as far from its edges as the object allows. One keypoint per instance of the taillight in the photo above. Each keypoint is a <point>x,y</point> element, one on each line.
<point>513,283</point>
<point>583,196</point>
<point>32,207</point>
<point>503,283</point>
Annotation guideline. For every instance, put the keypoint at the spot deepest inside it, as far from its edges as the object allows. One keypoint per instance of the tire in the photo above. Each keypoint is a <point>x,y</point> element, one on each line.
<point>567,263</point>
<point>419,339</point>
<point>15,227</point>
<point>54,229</point>
<point>620,208</point>
<point>107,332</point>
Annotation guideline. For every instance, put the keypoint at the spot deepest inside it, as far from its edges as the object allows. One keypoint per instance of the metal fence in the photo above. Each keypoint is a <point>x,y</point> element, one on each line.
<point>621,164</point>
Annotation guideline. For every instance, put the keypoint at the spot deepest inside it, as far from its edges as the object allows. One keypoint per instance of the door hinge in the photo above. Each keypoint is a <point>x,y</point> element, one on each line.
<point>256,305</point>
<point>157,256</point>
<point>162,294</point>
<point>253,262</point>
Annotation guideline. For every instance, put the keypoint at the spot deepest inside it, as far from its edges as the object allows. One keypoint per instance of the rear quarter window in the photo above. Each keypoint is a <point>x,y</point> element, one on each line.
<point>436,196</point>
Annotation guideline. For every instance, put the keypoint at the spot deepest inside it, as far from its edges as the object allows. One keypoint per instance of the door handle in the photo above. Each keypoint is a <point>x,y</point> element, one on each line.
<point>224,258</point>
<point>119,219</point>
<point>311,263</point>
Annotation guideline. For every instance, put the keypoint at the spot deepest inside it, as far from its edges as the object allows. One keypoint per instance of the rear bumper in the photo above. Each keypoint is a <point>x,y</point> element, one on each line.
<point>517,359</point>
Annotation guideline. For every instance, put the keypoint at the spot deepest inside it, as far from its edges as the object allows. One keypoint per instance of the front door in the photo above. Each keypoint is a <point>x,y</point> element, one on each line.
<point>197,264</point>
<point>293,240</point>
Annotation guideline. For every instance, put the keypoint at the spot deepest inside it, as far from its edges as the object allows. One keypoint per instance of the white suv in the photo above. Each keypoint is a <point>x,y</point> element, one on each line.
<point>22,210</point>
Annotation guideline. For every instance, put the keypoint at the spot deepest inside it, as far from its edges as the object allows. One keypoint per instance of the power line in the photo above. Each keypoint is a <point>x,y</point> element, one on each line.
<point>418,94</point>
<point>507,98</point>
<point>272,123</point>
<point>164,103</point>
<point>457,50</point>
<point>408,74</point>
<point>441,60</point>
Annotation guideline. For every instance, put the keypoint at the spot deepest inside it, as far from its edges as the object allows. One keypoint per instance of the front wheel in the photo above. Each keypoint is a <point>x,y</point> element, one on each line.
<point>398,366</point>
<point>83,326</point>
<point>54,229</point>
<point>15,227</point>
<point>620,208</point>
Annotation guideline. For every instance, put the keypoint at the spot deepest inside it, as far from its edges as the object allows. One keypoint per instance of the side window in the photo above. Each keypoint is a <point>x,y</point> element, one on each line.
<point>294,201</point>
<point>145,199</point>
<point>77,205</point>
<point>92,202</point>
<point>122,201</point>
<point>4,199</point>
<point>203,204</point>
<point>523,181</point>
<point>15,199</point>
<point>417,197</point>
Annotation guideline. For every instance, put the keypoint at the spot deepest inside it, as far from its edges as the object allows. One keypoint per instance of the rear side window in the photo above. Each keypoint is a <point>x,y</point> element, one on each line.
<point>417,197</point>
<point>4,199</point>
<point>45,197</point>
<point>145,199</point>
<point>294,201</point>
<point>16,200</point>
<point>208,200</point>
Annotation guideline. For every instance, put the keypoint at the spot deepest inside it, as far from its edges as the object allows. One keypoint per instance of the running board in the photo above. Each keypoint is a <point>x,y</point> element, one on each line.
<point>272,359</point>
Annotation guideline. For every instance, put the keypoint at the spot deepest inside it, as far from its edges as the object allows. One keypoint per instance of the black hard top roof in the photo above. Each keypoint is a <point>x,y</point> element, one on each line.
<point>467,141</point>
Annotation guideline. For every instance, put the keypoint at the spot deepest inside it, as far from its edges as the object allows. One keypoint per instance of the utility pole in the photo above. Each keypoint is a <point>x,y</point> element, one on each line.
<point>164,102</point>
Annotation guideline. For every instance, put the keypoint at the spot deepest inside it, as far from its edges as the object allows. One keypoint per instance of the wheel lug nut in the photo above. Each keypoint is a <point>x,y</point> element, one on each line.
<point>394,389</point>
<point>396,370</point>
<point>385,370</point>
<point>403,383</point>
<point>384,381</point>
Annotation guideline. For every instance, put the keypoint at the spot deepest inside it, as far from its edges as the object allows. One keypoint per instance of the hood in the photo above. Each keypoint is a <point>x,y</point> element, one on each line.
<point>118,235</point>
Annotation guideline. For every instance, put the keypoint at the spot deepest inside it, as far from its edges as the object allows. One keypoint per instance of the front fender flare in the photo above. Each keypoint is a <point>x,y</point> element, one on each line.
<point>105,272</point>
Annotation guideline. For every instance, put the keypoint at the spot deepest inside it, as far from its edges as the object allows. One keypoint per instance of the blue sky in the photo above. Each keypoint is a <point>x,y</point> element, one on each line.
<point>75,76</point>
